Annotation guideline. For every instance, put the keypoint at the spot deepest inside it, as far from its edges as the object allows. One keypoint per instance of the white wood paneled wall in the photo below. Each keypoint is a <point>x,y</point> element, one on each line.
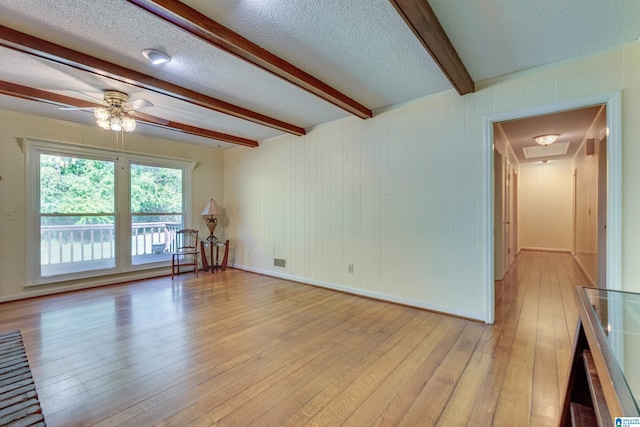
<point>382,195</point>
<point>401,196</point>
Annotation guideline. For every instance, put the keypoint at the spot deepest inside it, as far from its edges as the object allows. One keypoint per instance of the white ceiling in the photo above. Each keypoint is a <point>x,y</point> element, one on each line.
<point>362,48</point>
<point>497,37</point>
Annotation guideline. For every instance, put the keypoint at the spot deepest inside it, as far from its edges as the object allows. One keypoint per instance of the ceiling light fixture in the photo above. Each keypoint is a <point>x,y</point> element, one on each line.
<point>113,116</point>
<point>156,57</point>
<point>546,139</point>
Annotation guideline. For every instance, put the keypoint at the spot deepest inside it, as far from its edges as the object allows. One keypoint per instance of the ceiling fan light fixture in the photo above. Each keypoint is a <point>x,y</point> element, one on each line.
<point>101,113</point>
<point>156,57</point>
<point>104,124</point>
<point>128,124</point>
<point>115,116</point>
<point>546,139</point>
<point>116,124</point>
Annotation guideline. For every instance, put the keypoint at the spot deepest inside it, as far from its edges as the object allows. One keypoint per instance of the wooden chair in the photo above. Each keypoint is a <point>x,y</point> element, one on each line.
<point>186,253</point>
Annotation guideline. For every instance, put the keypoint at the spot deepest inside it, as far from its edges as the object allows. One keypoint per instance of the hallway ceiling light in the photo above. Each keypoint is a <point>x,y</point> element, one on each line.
<point>536,152</point>
<point>546,139</point>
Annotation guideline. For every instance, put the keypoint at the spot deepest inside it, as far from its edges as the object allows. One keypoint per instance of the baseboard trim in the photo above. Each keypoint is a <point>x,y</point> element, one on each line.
<point>364,293</point>
<point>534,248</point>
<point>584,270</point>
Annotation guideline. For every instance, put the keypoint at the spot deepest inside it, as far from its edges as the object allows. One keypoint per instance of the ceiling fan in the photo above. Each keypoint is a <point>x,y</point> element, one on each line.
<point>119,113</point>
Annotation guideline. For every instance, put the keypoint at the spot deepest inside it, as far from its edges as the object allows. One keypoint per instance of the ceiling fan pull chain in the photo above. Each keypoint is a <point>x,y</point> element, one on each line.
<point>120,147</point>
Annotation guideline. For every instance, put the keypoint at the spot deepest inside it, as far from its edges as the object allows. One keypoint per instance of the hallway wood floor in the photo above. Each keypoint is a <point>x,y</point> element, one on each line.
<point>236,348</point>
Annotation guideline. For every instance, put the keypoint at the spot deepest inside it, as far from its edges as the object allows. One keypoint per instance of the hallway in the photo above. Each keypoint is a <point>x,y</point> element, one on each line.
<point>536,311</point>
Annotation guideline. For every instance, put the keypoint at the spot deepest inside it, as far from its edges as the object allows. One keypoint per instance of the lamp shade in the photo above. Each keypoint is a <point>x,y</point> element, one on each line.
<point>211,208</point>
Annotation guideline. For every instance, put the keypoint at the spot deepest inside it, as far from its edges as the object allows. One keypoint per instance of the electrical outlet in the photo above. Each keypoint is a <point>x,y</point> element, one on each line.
<point>9,214</point>
<point>350,268</point>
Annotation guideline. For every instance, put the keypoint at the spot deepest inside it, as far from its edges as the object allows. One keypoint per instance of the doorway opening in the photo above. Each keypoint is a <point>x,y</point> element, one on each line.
<point>513,217</point>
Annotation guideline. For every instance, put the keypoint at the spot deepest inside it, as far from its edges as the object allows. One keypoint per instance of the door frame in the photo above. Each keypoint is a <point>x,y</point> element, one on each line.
<point>513,216</point>
<point>613,103</point>
<point>498,220</point>
<point>506,218</point>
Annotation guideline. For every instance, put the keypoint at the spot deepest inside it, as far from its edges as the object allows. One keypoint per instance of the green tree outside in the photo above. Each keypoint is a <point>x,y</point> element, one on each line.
<point>86,186</point>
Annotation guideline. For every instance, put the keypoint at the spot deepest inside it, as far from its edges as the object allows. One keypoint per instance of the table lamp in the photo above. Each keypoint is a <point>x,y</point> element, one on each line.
<point>211,209</point>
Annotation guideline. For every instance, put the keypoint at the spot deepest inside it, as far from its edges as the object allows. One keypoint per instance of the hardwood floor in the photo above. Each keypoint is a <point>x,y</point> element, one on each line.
<point>235,348</point>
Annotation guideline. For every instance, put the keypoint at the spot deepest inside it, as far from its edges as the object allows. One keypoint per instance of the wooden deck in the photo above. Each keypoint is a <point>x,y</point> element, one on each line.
<point>235,348</point>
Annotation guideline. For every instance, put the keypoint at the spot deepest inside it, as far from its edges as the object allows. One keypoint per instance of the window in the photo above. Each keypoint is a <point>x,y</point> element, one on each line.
<point>77,214</point>
<point>156,211</point>
<point>90,216</point>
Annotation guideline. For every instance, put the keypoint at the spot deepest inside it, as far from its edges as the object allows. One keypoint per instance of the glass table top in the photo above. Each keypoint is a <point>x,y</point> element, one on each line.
<point>618,314</point>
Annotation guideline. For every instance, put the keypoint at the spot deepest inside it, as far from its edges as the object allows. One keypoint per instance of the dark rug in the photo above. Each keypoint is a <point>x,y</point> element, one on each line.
<point>19,405</point>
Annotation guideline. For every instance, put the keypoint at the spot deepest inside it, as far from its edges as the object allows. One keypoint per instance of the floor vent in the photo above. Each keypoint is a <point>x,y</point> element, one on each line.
<point>277,262</point>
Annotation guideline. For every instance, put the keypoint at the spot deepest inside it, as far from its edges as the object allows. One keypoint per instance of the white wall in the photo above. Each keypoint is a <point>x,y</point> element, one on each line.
<point>546,206</point>
<point>396,196</point>
<point>401,195</point>
<point>207,183</point>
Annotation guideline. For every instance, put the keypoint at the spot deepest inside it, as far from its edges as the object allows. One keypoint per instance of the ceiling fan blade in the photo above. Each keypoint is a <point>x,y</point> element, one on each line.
<point>86,98</point>
<point>137,104</point>
<point>76,108</point>
<point>89,97</point>
<point>148,118</point>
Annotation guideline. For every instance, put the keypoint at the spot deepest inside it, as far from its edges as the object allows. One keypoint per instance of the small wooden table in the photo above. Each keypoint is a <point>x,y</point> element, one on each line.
<point>215,265</point>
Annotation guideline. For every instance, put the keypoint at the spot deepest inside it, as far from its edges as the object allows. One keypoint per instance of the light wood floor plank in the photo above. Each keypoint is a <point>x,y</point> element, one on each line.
<point>429,404</point>
<point>545,376</point>
<point>235,348</point>
<point>359,390</point>
<point>498,340</point>
<point>443,338</point>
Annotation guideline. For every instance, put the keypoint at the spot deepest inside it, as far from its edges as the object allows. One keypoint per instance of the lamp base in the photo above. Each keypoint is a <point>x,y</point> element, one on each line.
<point>211,224</point>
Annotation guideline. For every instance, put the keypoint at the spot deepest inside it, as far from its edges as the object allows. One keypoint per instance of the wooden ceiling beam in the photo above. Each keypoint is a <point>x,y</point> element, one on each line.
<point>425,25</point>
<point>32,94</point>
<point>212,32</point>
<point>46,50</point>
<point>205,133</point>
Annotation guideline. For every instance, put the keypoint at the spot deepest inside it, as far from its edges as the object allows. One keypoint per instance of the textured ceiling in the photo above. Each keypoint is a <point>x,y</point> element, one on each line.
<point>362,48</point>
<point>497,37</point>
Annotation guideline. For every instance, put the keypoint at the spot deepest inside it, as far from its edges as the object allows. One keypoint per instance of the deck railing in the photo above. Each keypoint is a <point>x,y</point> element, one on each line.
<point>77,243</point>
